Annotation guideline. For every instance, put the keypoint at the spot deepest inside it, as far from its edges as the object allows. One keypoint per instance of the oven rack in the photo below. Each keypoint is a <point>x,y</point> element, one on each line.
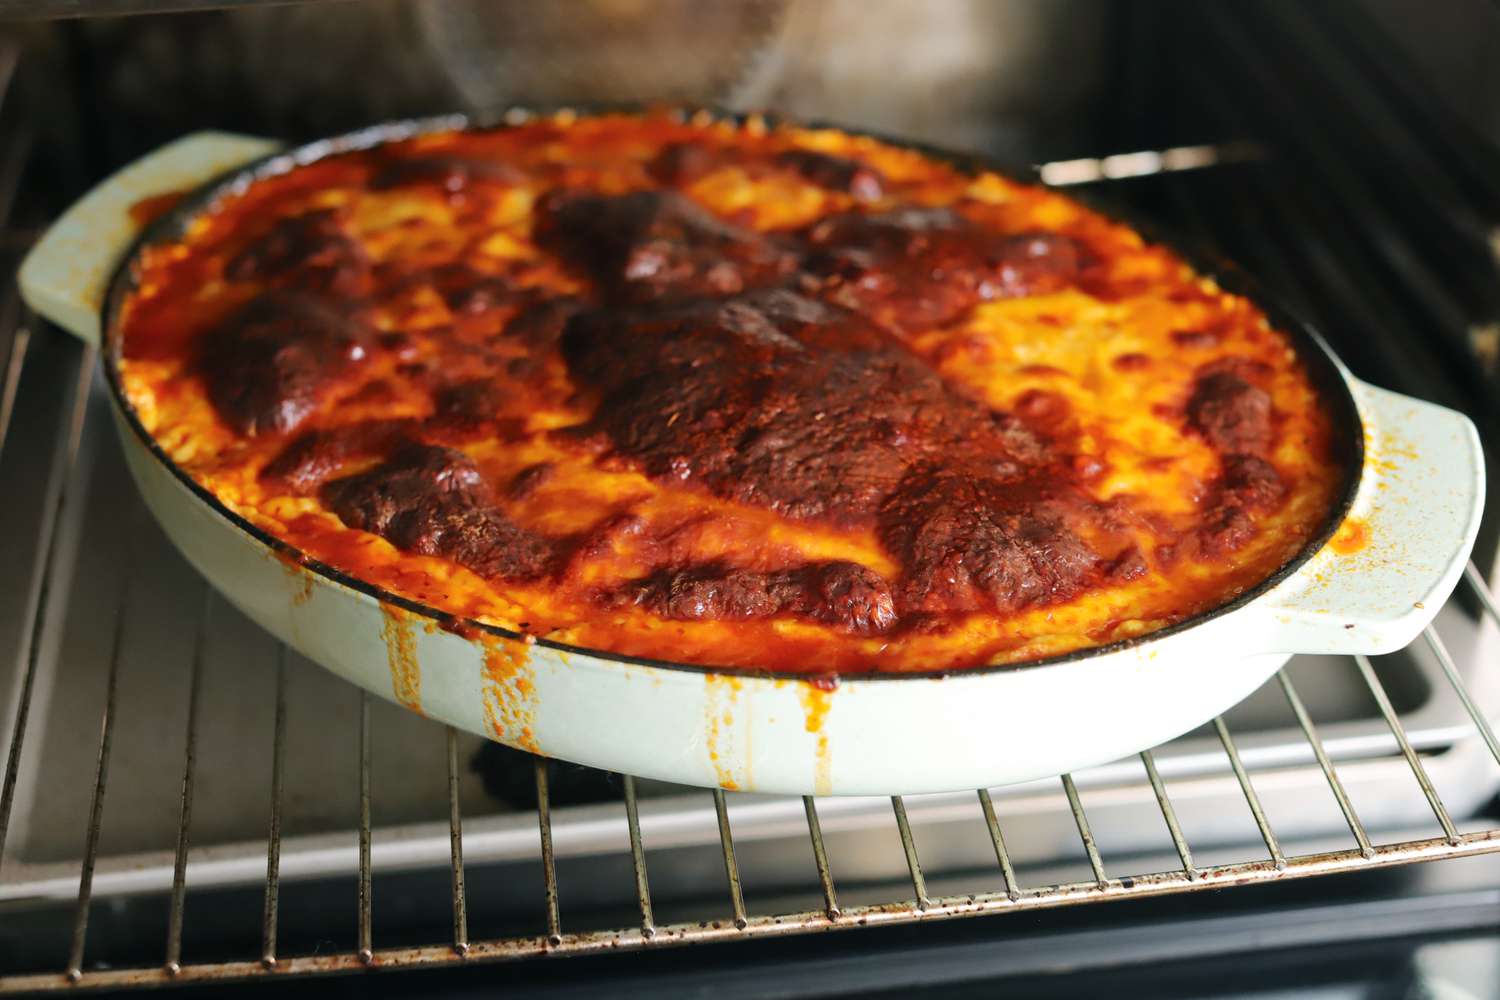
<point>738,922</point>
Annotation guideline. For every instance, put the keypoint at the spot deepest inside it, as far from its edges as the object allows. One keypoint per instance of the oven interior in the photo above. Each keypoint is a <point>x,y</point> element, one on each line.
<point>187,802</point>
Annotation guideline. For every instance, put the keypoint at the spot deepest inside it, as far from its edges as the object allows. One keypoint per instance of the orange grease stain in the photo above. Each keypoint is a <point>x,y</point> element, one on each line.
<point>509,709</point>
<point>816,701</point>
<point>727,688</point>
<point>148,210</point>
<point>401,650</point>
<point>302,580</point>
<point>1352,536</point>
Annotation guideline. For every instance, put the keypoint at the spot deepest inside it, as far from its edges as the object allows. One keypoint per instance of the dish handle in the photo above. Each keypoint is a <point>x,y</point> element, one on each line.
<point>1403,545</point>
<point>65,276</point>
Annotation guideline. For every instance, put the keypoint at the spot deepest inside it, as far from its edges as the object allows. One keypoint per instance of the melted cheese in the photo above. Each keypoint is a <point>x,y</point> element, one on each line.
<point>1111,357</point>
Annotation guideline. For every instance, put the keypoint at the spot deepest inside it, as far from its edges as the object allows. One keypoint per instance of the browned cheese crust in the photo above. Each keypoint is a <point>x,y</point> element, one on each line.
<point>729,394</point>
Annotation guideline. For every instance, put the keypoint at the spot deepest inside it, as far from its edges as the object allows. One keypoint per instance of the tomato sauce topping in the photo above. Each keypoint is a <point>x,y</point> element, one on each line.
<point>729,394</point>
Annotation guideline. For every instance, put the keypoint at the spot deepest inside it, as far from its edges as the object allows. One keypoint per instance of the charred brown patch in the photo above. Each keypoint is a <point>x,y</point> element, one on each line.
<point>433,501</point>
<point>310,459</point>
<point>837,173</point>
<point>468,405</point>
<point>783,402</point>
<point>268,365</point>
<point>650,245</point>
<point>844,594</point>
<point>309,252</point>
<point>916,268</point>
<point>450,174</point>
<point>978,544</point>
<point>1232,414</point>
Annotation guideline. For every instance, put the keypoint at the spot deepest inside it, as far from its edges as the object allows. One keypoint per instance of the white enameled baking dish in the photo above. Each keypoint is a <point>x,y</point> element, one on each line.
<point>1416,489</point>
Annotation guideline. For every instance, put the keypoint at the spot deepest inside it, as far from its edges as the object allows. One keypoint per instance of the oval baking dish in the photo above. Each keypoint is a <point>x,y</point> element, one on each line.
<point>1414,492</point>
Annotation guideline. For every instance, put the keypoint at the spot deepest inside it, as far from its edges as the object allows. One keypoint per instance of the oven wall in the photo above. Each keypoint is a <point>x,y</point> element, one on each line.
<point>1453,46</point>
<point>1024,77</point>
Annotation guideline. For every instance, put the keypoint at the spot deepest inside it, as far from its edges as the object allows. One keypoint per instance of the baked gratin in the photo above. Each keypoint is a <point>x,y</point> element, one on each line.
<point>728,394</point>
